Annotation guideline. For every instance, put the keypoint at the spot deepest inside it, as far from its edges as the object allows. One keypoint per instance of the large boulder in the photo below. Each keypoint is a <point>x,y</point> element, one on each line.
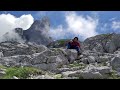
<point>18,60</point>
<point>15,48</point>
<point>49,60</point>
<point>103,70</point>
<point>108,43</point>
<point>19,54</point>
<point>71,55</point>
<point>90,75</point>
<point>102,59</point>
<point>115,63</point>
<point>82,74</point>
<point>46,60</point>
<point>89,72</point>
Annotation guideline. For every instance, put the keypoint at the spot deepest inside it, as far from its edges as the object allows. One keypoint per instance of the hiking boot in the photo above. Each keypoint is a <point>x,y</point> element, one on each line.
<point>78,56</point>
<point>78,53</point>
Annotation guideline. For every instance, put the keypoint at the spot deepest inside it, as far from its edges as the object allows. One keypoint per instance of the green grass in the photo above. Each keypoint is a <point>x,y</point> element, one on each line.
<point>113,75</point>
<point>63,41</point>
<point>20,72</point>
<point>109,36</point>
<point>75,64</point>
<point>2,67</point>
<point>58,76</point>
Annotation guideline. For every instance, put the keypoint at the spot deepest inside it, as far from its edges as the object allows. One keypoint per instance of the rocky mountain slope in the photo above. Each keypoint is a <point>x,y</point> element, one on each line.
<point>108,43</point>
<point>94,63</point>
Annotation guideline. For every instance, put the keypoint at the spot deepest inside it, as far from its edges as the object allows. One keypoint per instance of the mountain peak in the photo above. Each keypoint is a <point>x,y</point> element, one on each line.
<point>42,24</point>
<point>38,32</point>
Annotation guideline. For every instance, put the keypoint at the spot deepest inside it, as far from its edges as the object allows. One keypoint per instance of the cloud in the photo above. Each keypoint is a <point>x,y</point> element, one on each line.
<point>85,27</point>
<point>112,19</point>
<point>25,21</point>
<point>77,25</point>
<point>8,22</point>
<point>115,25</point>
<point>58,33</point>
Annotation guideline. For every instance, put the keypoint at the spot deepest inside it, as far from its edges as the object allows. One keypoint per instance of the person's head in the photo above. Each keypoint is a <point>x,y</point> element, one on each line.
<point>75,39</point>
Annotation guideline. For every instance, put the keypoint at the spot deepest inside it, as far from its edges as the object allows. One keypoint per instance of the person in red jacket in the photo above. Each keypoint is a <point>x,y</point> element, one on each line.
<point>74,44</point>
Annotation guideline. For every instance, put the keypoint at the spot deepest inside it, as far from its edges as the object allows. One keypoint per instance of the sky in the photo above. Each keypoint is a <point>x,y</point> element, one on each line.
<point>64,24</point>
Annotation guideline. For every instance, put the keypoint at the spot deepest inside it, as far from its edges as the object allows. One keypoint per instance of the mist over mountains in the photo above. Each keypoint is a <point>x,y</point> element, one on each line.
<point>37,33</point>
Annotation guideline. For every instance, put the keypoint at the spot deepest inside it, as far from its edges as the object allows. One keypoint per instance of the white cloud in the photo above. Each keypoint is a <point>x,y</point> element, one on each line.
<point>77,26</point>
<point>57,33</point>
<point>25,21</point>
<point>112,19</point>
<point>115,25</point>
<point>81,26</point>
<point>8,22</point>
<point>104,27</point>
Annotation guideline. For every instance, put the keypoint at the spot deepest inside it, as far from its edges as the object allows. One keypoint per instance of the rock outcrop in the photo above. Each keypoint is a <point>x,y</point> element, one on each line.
<point>19,54</point>
<point>105,43</point>
<point>39,32</point>
<point>94,63</point>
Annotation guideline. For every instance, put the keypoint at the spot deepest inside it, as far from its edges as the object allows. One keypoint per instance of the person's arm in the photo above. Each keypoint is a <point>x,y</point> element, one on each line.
<point>79,44</point>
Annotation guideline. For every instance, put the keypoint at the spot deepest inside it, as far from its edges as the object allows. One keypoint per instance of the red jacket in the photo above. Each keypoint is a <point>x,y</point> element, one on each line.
<point>73,43</point>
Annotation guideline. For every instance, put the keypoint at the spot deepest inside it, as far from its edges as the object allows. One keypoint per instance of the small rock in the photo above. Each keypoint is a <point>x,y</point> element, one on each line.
<point>91,59</point>
<point>91,75</point>
<point>68,73</point>
<point>104,70</point>
<point>102,59</point>
<point>14,77</point>
<point>85,60</point>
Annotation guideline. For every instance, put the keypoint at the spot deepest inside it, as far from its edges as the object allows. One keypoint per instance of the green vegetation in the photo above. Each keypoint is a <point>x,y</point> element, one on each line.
<point>58,76</point>
<point>75,64</point>
<point>108,36</point>
<point>20,72</point>
<point>113,75</point>
<point>62,42</point>
<point>80,77</point>
<point>2,67</point>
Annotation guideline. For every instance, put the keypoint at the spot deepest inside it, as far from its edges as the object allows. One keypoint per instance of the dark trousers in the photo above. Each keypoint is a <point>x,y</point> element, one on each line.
<point>69,46</point>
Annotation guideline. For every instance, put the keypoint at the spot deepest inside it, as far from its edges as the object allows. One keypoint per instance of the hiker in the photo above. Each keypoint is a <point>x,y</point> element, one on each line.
<point>74,44</point>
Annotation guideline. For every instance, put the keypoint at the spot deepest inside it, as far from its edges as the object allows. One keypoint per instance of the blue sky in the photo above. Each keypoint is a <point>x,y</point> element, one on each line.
<point>83,24</point>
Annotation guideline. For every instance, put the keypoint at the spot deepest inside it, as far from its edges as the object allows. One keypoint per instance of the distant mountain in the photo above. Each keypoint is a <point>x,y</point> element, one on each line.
<point>38,32</point>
